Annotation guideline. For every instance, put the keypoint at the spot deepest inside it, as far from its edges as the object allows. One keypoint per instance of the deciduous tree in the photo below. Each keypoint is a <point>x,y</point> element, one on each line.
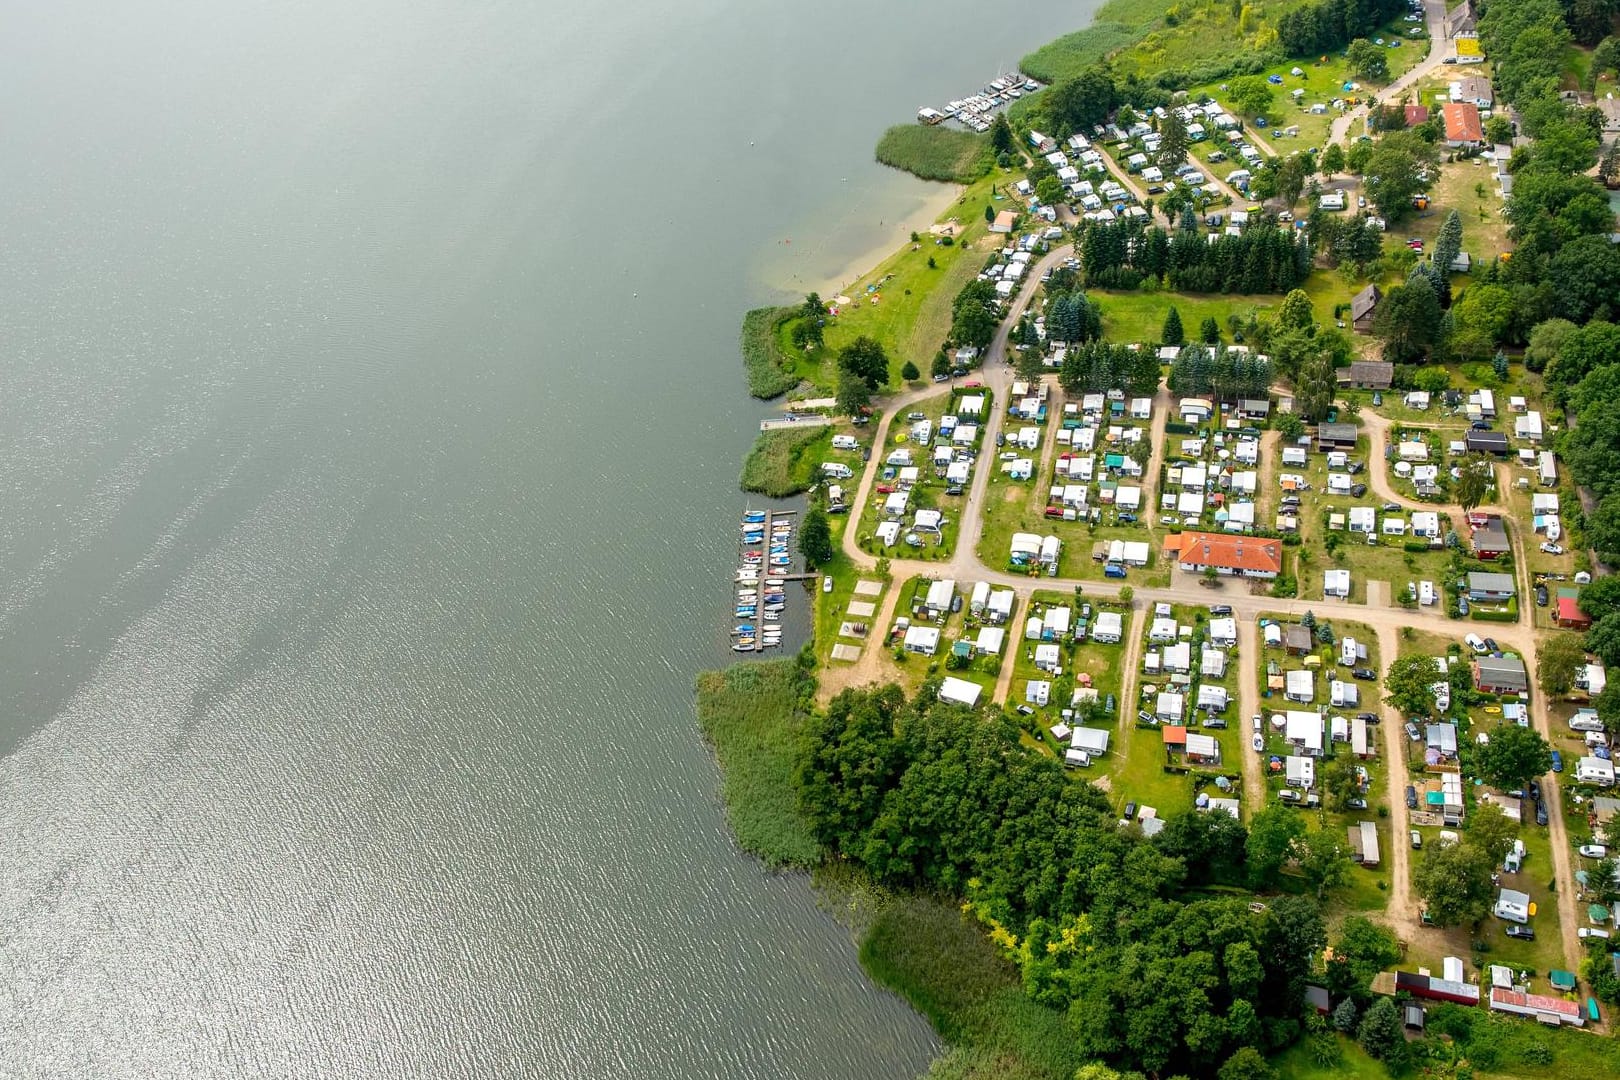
<point>1558,661</point>
<point>1409,685</point>
<point>1514,756</point>
<point>815,538</point>
<point>1454,881</point>
<point>1272,834</point>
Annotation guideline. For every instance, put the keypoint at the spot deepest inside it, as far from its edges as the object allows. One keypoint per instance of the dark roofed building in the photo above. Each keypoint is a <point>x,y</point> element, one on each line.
<point>1487,442</point>
<point>1361,308</point>
<point>1367,374</point>
<point>1336,436</point>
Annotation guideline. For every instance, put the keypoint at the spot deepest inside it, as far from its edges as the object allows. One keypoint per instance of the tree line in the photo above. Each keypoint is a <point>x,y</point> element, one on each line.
<point>1097,366</point>
<point>1226,374</point>
<point>1124,254</point>
<point>1105,925</point>
<point>1330,25</point>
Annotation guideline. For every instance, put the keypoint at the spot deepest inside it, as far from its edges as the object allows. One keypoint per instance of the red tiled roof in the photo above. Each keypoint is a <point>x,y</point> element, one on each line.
<point>1462,122</point>
<point>1227,551</point>
<point>1569,611</point>
<point>1175,735</point>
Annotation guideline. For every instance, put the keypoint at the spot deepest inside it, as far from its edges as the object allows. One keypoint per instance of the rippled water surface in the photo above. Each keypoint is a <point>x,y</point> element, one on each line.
<point>370,417</point>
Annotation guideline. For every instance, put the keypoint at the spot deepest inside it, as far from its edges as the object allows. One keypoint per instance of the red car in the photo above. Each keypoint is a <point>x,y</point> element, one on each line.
<point>885,489</point>
<point>1054,511</point>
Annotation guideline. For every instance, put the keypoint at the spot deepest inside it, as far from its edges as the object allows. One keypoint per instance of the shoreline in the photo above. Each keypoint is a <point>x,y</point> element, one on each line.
<point>933,201</point>
<point>934,205</point>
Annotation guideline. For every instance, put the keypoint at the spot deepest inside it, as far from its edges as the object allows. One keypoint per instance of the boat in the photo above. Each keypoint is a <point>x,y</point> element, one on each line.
<point>743,630</point>
<point>780,560</point>
<point>775,581</point>
<point>753,516</point>
<point>740,647</point>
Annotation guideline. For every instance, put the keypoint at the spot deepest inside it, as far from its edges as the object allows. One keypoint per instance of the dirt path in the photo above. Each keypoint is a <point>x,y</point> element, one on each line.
<point>1248,656</point>
<point>1435,11</point>
<point>1130,674</point>
<point>1557,831</point>
<point>1402,909</point>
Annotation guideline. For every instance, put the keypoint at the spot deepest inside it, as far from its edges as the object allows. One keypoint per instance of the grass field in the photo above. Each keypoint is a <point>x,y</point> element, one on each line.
<point>770,370</point>
<point>936,152</point>
<point>784,463</point>
<point>750,713</point>
<point>1139,316</point>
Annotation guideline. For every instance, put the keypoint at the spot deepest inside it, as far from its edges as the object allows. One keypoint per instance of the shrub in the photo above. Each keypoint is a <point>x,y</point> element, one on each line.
<point>769,369</point>
<point>936,153</point>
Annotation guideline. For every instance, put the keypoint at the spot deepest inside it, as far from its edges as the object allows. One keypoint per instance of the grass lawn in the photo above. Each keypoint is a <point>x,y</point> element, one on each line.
<point>904,303</point>
<point>1459,188</point>
<point>1138,316</point>
<point>1295,1063</point>
<point>832,609</point>
<point>1322,82</point>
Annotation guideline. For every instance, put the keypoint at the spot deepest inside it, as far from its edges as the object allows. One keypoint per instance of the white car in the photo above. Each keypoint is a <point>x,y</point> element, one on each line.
<point>1255,721</point>
<point>1594,851</point>
<point>1552,549</point>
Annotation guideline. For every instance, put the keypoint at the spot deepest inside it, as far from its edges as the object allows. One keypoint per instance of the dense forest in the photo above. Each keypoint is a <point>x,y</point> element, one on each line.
<point>1102,924</point>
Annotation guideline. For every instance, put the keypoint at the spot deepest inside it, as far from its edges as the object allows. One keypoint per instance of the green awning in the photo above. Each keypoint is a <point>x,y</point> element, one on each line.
<point>1563,980</point>
<point>1597,913</point>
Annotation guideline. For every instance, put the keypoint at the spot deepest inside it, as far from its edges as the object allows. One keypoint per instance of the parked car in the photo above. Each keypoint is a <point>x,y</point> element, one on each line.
<point>1358,490</point>
<point>1130,811</point>
<point>1480,425</point>
<point>1290,796</point>
<point>1364,673</point>
<point>1221,609</point>
<point>1417,840</point>
<point>1411,797</point>
<point>1541,814</point>
<point>1490,645</point>
<point>1127,518</point>
<point>1258,742</point>
<point>1356,803</point>
<point>1413,733</point>
<point>1025,710</point>
<point>1524,933</point>
<point>1552,549</point>
<point>1593,851</point>
<point>1145,716</point>
<point>1541,596</point>
<point>1557,761</point>
<point>1391,507</point>
<point>1367,717</point>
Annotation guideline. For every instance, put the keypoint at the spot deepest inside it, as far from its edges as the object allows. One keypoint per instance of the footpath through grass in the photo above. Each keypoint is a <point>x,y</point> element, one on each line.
<point>928,952</point>
<point>750,714</point>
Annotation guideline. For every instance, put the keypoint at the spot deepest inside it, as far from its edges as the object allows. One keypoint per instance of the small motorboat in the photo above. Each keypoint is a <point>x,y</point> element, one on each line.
<point>781,560</point>
<point>743,630</point>
<point>775,581</point>
<point>751,517</point>
<point>740,647</point>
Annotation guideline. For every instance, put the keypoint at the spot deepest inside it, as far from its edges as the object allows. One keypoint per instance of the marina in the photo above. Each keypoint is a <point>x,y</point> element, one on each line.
<point>761,580</point>
<point>976,111</point>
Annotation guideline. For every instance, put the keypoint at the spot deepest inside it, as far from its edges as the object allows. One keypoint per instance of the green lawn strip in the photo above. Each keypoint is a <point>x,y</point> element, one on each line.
<point>927,951</point>
<point>784,463</point>
<point>750,712</point>
<point>832,609</point>
<point>1138,316</point>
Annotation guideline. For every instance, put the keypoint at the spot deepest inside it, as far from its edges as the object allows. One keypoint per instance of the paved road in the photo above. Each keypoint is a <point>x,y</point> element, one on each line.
<point>1435,14</point>
<point>1385,622</point>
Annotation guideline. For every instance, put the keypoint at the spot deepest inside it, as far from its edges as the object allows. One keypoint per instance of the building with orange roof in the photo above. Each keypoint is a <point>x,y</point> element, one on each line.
<point>1228,553</point>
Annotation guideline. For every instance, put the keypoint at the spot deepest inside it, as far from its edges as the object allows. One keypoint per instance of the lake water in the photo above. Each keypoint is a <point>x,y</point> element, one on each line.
<point>370,418</point>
